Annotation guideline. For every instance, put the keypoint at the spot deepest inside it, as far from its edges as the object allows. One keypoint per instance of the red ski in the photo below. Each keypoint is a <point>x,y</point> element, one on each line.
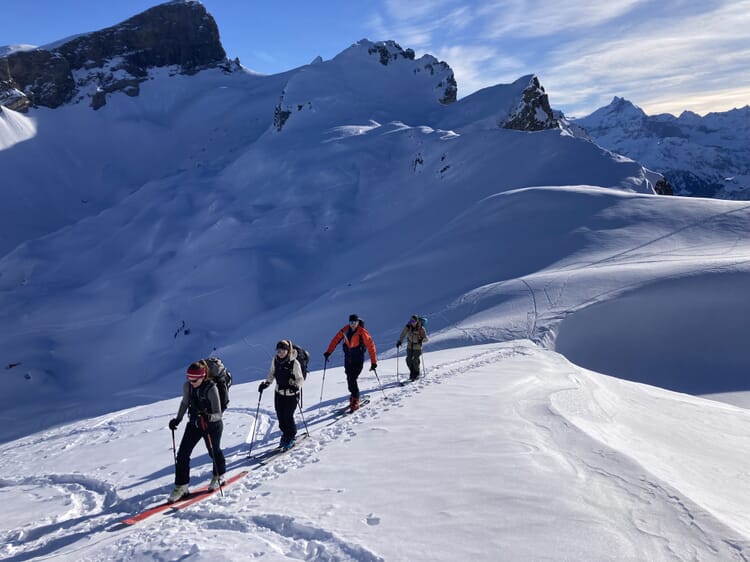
<point>198,495</point>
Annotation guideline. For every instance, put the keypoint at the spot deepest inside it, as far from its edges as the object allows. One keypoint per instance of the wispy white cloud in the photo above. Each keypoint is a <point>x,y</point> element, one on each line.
<point>685,59</point>
<point>702,103</point>
<point>419,27</point>
<point>416,9</point>
<point>540,18</point>
<point>650,52</point>
<point>475,64</point>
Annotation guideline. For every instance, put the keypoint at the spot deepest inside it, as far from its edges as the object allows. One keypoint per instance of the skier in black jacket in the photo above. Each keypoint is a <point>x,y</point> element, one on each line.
<point>287,372</point>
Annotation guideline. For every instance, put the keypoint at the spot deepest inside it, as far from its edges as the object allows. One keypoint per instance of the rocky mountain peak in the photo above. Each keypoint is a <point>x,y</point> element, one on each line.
<point>533,112</point>
<point>622,108</point>
<point>391,53</point>
<point>90,66</point>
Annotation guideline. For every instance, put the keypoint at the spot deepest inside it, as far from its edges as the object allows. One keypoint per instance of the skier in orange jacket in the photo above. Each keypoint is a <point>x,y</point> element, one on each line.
<point>356,340</point>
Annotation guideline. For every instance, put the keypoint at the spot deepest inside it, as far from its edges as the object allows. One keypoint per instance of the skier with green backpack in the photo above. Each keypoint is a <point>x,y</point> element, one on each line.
<point>415,335</point>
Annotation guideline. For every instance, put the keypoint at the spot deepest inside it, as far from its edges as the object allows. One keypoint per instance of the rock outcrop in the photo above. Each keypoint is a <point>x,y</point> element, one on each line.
<point>390,51</point>
<point>533,112</point>
<point>178,34</point>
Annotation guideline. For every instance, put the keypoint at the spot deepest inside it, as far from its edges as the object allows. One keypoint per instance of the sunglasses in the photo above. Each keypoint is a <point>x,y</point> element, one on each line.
<point>196,380</point>
<point>282,351</point>
<point>354,322</point>
<point>412,321</point>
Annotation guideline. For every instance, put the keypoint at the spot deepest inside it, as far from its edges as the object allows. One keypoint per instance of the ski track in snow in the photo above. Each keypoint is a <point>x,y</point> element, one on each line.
<point>92,508</point>
<point>95,508</point>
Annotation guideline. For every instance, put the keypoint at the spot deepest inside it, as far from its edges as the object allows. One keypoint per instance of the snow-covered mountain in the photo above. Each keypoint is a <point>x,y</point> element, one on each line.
<point>214,210</point>
<point>705,156</point>
<point>232,200</point>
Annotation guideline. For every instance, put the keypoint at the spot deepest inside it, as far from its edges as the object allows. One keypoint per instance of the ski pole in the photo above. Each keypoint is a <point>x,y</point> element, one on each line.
<point>255,424</point>
<point>174,449</point>
<point>381,386</point>
<point>398,350</point>
<point>299,403</point>
<point>320,402</point>
<point>211,448</point>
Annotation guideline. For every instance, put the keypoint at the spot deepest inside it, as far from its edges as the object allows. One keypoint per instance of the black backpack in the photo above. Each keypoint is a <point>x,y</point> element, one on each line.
<point>222,377</point>
<point>303,358</point>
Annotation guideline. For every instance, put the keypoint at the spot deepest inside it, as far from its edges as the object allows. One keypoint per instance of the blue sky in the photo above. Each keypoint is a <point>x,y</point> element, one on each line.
<point>664,56</point>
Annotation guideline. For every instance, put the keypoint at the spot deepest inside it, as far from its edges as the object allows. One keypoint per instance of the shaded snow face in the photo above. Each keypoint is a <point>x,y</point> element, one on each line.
<point>658,335</point>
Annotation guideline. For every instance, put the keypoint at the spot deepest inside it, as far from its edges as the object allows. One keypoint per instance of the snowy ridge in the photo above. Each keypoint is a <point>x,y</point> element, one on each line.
<point>5,50</point>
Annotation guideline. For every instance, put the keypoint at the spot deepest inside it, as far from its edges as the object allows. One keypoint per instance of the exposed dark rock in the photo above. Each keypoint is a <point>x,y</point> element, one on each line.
<point>116,59</point>
<point>390,50</point>
<point>451,89</point>
<point>663,187</point>
<point>534,112</point>
<point>44,77</point>
<point>280,117</point>
<point>12,98</point>
<point>176,33</point>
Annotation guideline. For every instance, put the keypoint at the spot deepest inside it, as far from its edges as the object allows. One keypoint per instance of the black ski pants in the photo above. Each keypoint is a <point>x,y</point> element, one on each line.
<point>413,357</point>
<point>193,434</point>
<point>352,370</point>
<point>285,407</point>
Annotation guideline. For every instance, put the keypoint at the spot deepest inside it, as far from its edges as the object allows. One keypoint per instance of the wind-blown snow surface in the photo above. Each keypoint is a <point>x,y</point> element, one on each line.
<point>502,452</point>
<point>162,228</point>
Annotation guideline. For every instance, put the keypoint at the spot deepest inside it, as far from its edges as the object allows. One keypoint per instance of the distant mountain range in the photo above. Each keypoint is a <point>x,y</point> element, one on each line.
<point>705,156</point>
<point>699,156</point>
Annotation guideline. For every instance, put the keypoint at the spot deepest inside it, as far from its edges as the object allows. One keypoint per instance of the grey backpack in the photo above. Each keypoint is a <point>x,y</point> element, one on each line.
<point>222,377</point>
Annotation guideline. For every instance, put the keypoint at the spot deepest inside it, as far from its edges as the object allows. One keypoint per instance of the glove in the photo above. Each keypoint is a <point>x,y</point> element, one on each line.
<point>327,354</point>
<point>293,383</point>
<point>262,386</point>
<point>173,423</point>
<point>398,343</point>
<point>373,366</point>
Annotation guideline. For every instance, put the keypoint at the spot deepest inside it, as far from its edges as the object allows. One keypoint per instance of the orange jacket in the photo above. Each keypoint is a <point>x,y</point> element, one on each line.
<point>360,336</point>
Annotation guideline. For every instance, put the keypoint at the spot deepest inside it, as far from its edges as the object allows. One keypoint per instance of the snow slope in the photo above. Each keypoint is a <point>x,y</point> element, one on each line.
<point>503,451</point>
<point>210,226</point>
